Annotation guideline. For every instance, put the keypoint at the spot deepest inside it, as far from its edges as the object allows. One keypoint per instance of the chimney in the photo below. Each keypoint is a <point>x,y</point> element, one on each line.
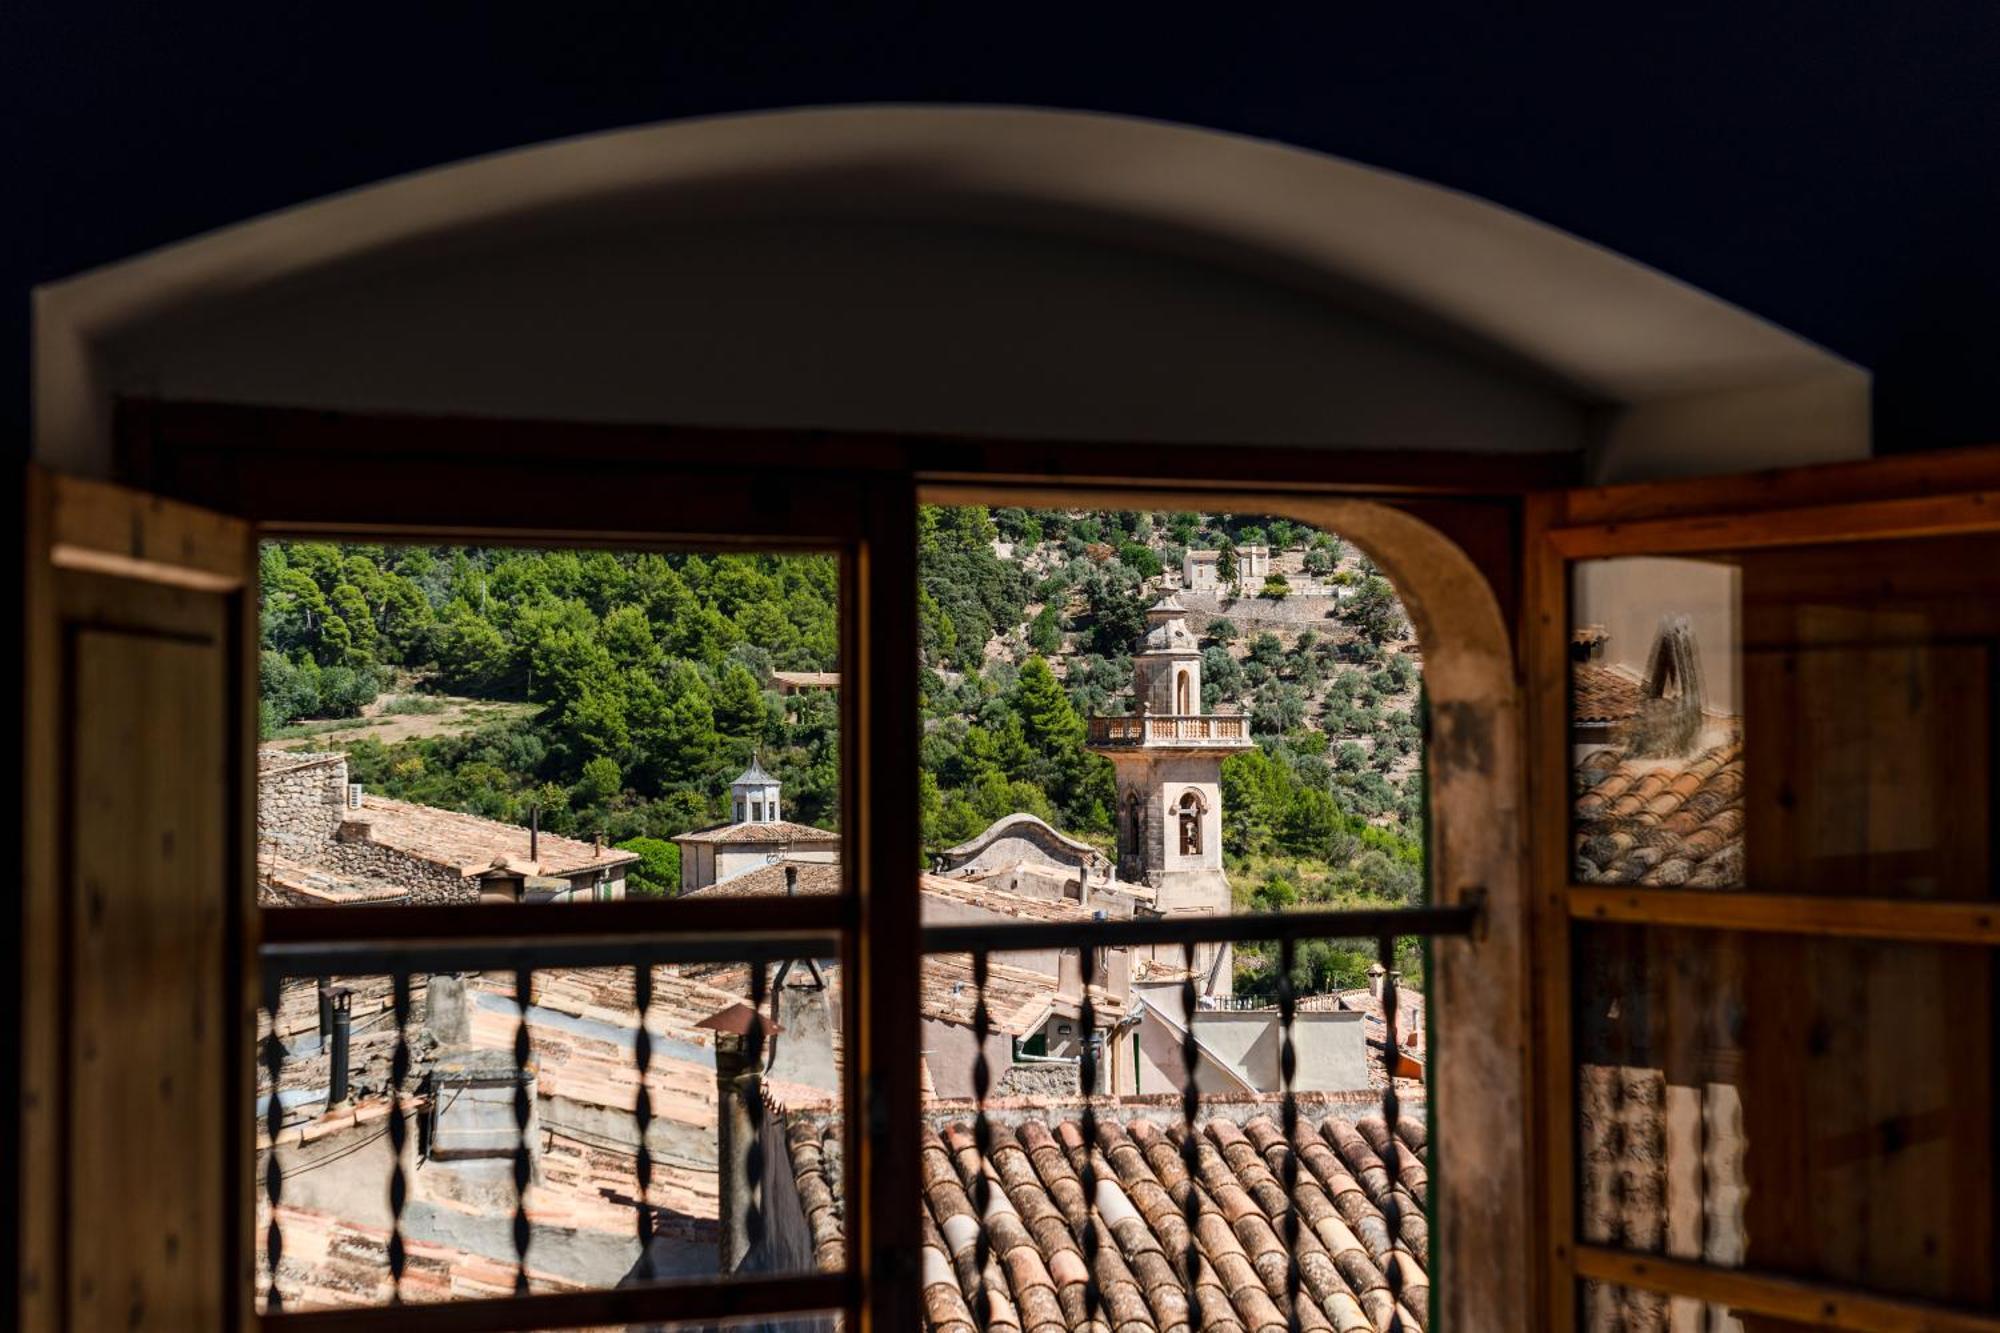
<point>325,988</point>
<point>447,1017</point>
<point>535,835</point>
<point>1375,974</point>
<point>342,1000</point>
<point>737,1082</point>
<point>802,1047</point>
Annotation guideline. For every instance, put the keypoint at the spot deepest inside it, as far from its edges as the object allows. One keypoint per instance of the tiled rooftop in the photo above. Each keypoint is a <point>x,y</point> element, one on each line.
<point>470,844</point>
<point>806,680</point>
<point>760,834</point>
<point>1053,881</point>
<point>814,879</point>
<point>1360,1271</point>
<point>279,876</point>
<point>1018,999</point>
<point>1603,694</point>
<point>1027,907</point>
<point>1666,823</point>
<point>585,1192</point>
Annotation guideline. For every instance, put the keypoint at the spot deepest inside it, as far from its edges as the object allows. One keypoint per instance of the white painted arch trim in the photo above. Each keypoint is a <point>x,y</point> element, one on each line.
<point>1616,333</point>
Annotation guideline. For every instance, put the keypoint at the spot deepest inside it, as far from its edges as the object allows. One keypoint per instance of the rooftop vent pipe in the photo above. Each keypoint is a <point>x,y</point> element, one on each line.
<point>342,1001</point>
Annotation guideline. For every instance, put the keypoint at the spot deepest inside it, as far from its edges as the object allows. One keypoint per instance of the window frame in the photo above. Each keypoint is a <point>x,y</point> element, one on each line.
<point>306,473</point>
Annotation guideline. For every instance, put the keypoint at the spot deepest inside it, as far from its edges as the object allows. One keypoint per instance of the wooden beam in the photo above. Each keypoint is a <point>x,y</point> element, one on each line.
<point>1544,640</point>
<point>1912,920</point>
<point>1821,1305</point>
<point>1932,472</point>
<point>1921,516</point>
<point>885,1124</point>
<point>196,448</point>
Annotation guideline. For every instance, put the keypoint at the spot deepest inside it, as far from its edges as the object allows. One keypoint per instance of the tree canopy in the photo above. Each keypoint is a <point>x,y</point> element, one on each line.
<point>638,683</point>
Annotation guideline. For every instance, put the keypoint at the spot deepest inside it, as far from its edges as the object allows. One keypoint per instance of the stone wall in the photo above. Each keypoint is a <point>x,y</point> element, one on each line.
<point>427,881</point>
<point>1251,613</point>
<point>301,797</point>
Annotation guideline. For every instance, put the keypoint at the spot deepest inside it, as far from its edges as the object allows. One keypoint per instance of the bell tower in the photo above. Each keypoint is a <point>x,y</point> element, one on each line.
<point>1168,755</point>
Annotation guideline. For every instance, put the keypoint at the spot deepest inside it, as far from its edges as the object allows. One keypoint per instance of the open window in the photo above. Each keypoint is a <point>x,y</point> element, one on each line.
<point>1750,871</point>
<point>318,1090</point>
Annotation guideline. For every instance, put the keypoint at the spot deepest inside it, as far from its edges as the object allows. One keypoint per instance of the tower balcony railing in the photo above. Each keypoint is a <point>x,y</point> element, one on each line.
<point>1170,729</point>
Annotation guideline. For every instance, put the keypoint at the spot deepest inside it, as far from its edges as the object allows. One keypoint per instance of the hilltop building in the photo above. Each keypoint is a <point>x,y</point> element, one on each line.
<point>1201,570</point>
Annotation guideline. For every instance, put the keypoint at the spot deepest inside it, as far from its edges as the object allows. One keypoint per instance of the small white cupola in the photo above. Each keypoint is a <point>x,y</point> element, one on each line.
<point>753,797</point>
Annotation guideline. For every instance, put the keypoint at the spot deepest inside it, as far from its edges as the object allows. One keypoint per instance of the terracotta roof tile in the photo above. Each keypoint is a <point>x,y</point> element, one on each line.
<point>1603,694</point>
<point>470,844</point>
<point>1026,906</point>
<point>760,834</point>
<point>282,877</point>
<point>814,879</point>
<point>806,680</point>
<point>1667,823</point>
<point>1038,1216</point>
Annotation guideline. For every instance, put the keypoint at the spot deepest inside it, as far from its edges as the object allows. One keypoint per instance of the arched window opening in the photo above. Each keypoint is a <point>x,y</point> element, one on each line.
<point>1182,704</point>
<point>1191,811</point>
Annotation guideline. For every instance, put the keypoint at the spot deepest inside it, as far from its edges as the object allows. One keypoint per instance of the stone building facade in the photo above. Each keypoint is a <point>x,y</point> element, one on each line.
<point>324,841</point>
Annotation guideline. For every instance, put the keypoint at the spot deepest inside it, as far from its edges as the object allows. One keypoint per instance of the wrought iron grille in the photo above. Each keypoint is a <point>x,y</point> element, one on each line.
<point>311,944</point>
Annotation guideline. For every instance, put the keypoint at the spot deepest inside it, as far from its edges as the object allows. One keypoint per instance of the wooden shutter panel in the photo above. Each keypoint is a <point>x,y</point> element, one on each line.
<point>136,904</point>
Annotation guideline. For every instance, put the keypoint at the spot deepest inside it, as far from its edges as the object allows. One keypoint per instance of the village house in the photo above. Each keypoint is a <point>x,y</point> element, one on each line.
<point>325,841</point>
<point>800,682</point>
<point>756,836</point>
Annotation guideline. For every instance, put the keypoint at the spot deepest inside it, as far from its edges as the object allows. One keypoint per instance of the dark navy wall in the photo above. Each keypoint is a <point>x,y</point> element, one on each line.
<point>1833,170</point>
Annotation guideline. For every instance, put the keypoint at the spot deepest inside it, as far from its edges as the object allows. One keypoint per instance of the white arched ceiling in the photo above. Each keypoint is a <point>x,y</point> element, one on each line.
<point>965,270</point>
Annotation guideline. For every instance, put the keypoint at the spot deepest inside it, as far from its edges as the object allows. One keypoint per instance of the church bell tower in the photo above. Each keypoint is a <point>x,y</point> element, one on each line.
<point>1168,755</point>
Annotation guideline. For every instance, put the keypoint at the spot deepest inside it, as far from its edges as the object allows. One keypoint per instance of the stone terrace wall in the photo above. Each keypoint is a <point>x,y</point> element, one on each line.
<point>1250,614</point>
<point>301,797</point>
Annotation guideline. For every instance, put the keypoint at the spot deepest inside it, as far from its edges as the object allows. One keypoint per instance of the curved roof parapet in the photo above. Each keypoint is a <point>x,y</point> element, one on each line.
<point>1000,828</point>
<point>1652,365</point>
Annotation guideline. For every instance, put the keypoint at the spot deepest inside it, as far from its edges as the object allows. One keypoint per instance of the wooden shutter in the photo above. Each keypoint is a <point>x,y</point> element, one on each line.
<point>138,880</point>
<point>1711,1038</point>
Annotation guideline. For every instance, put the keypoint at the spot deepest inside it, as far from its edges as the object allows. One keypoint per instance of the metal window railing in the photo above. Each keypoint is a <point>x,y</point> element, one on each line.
<point>406,943</point>
<point>1286,931</point>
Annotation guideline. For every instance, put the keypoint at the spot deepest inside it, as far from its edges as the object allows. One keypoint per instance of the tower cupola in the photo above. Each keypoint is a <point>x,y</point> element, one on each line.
<point>1166,671</point>
<point>753,797</point>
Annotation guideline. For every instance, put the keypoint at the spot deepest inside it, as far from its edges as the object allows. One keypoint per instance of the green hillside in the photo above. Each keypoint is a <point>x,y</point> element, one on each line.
<point>620,692</point>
